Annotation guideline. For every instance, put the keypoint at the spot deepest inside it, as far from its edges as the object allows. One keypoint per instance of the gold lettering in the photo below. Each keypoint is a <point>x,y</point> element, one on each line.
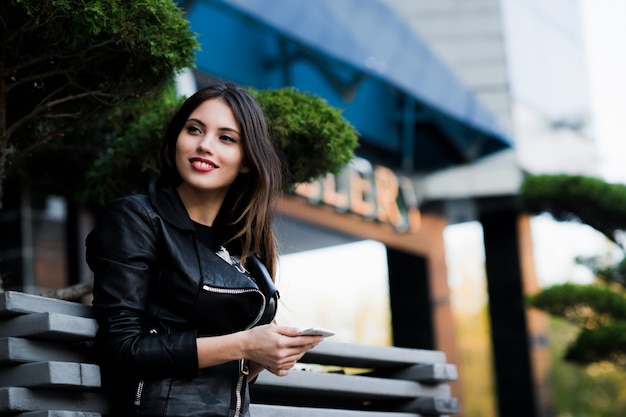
<point>371,192</point>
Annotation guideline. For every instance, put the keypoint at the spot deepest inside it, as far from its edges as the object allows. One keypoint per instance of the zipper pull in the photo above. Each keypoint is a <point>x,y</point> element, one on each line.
<point>245,368</point>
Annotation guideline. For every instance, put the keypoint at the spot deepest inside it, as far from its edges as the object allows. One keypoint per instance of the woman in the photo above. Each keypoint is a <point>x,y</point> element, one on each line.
<point>183,277</point>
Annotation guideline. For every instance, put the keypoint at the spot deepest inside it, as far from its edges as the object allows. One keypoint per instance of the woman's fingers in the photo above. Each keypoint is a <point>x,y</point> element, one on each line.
<point>279,347</point>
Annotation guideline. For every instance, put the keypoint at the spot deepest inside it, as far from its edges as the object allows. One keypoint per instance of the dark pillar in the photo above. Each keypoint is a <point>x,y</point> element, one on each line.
<point>409,296</point>
<point>514,382</point>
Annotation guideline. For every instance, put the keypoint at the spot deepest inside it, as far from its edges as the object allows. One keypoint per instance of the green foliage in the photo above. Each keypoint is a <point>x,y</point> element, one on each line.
<point>313,136</point>
<point>65,61</point>
<point>131,137</point>
<point>131,158</point>
<point>74,70</point>
<point>587,306</point>
<point>577,198</point>
<point>108,156</point>
<point>605,343</point>
<point>598,310</point>
<point>597,390</point>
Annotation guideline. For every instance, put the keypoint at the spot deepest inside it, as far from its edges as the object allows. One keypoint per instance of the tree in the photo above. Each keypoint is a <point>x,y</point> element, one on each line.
<point>312,136</point>
<point>87,87</point>
<point>598,309</point>
<point>66,61</point>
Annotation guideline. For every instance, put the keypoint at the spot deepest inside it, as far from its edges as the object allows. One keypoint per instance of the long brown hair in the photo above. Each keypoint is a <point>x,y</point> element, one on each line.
<point>248,208</point>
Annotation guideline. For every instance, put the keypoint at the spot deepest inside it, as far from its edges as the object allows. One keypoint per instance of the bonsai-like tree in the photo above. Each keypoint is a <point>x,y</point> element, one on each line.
<point>64,62</point>
<point>312,136</point>
<point>598,309</point>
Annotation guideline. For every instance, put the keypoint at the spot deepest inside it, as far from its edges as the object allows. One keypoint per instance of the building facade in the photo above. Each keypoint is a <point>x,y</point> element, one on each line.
<point>525,61</point>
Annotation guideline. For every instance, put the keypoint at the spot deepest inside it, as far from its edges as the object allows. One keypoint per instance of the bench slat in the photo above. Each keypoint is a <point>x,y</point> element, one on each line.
<point>429,373</point>
<point>16,399</point>
<point>13,303</point>
<point>58,413</point>
<point>51,375</point>
<point>434,406</point>
<point>49,326</point>
<point>14,350</point>
<point>332,385</point>
<point>264,410</point>
<point>365,356</point>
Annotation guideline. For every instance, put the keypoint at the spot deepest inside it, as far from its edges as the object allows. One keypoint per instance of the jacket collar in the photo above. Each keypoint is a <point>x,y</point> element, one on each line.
<point>167,203</point>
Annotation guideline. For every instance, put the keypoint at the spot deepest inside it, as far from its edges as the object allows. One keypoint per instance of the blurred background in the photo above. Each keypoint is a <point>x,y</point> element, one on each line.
<point>422,241</point>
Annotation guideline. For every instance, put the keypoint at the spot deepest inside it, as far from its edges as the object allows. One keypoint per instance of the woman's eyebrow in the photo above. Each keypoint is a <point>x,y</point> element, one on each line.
<point>196,121</point>
<point>230,129</point>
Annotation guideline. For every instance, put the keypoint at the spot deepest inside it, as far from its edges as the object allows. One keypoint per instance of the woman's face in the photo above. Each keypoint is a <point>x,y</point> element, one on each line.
<point>209,152</point>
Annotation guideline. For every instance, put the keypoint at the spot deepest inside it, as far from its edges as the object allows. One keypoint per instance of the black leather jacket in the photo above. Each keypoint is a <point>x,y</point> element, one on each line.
<point>156,289</point>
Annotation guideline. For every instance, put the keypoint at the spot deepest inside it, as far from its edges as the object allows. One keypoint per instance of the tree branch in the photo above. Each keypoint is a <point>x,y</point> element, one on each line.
<point>71,293</point>
<point>75,55</point>
<point>42,75</point>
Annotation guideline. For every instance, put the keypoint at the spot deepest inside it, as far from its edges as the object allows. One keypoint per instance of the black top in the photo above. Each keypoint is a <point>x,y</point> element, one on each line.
<point>207,236</point>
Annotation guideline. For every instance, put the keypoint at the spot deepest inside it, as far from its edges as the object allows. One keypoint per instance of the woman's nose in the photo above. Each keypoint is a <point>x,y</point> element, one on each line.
<point>206,144</point>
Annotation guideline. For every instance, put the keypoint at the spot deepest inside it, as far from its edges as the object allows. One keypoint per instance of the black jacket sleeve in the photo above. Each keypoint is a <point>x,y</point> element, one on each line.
<point>122,251</point>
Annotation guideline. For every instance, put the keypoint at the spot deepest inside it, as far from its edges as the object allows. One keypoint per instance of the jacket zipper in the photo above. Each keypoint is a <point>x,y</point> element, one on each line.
<point>142,383</point>
<point>138,393</point>
<point>243,368</point>
<point>243,372</point>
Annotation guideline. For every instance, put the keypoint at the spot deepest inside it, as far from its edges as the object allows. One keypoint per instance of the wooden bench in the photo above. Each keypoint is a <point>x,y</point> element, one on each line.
<point>47,370</point>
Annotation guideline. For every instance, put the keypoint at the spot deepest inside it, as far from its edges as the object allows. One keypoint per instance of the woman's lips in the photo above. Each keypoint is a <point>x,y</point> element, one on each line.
<point>203,165</point>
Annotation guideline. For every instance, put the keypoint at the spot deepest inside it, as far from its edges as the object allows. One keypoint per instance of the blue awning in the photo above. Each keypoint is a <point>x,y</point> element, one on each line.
<point>249,42</point>
<point>370,36</point>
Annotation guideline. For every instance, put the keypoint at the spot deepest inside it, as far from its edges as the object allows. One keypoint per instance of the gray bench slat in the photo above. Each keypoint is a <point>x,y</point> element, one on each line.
<point>15,350</point>
<point>13,303</point>
<point>427,373</point>
<point>436,406</point>
<point>57,413</point>
<point>51,375</point>
<point>263,410</point>
<point>438,372</point>
<point>365,356</point>
<point>16,399</point>
<point>333,385</point>
<point>49,326</point>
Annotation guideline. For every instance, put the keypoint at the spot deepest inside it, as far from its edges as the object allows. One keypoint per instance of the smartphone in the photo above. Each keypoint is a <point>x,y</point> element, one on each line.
<point>316,331</point>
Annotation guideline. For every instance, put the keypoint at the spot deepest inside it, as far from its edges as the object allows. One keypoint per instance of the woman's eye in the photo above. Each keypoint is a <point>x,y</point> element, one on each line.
<point>227,138</point>
<point>193,129</point>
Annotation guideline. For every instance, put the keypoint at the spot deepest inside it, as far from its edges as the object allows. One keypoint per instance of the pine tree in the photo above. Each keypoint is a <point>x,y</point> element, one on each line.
<point>597,309</point>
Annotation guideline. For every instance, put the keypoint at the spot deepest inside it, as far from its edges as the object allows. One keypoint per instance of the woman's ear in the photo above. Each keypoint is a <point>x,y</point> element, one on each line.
<point>244,168</point>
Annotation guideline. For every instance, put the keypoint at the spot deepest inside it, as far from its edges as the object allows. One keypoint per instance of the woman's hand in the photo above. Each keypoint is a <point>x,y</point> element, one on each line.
<point>277,348</point>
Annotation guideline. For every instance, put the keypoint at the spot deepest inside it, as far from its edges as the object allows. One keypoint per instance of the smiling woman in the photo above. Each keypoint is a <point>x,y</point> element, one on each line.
<point>184,287</point>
